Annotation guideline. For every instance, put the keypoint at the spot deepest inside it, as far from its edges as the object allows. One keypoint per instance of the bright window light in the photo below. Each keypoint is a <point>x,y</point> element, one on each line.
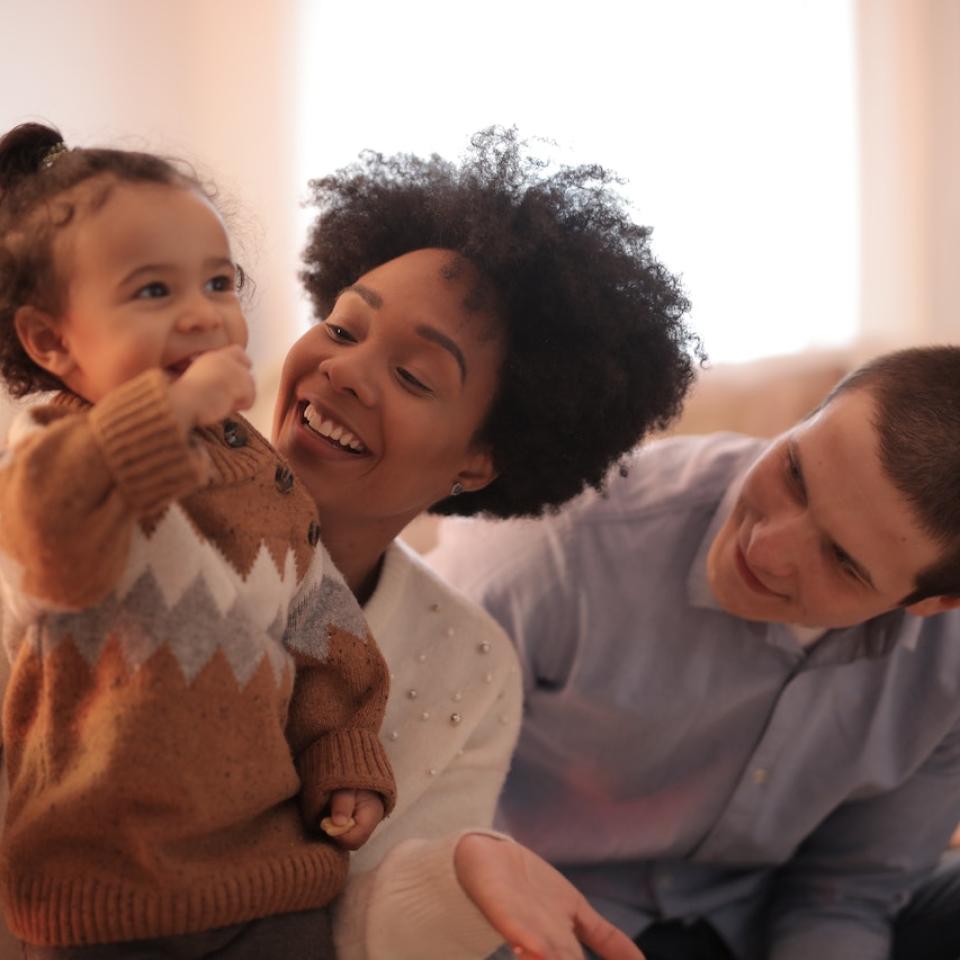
<point>734,124</point>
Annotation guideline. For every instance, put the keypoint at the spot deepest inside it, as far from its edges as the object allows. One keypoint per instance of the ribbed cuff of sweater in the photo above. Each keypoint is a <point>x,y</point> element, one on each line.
<point>419,911</point>
<point>143,445</point>
<point>352,759</point>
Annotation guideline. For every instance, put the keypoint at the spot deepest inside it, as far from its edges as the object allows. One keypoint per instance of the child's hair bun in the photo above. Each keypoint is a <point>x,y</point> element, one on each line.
<point>23,151</point>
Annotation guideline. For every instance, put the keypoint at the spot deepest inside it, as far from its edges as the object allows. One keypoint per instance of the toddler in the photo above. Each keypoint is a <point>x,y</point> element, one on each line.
<point>193,687</point>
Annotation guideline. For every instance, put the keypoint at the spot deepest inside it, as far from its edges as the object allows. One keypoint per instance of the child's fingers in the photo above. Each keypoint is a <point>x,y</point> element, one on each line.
<point>342,805</point>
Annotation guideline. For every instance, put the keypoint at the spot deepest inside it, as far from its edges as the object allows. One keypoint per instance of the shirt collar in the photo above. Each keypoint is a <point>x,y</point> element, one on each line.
<point>698,589</point>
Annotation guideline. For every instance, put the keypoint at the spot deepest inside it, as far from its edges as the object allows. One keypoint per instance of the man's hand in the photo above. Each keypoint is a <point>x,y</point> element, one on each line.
<point>539,913</point>
<point>363,807</point>
<point>215,385</point>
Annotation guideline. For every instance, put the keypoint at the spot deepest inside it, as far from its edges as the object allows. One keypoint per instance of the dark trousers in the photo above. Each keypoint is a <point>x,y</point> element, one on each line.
<point>674,940</point>
<point>285,936</point>
<point>928,928</point>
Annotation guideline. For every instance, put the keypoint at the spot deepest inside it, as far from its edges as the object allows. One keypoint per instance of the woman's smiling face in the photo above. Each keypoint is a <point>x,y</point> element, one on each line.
<point>379,405</point>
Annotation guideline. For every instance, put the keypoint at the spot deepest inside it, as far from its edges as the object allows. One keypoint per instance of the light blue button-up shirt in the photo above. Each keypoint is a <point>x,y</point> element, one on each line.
<point>677,761</point>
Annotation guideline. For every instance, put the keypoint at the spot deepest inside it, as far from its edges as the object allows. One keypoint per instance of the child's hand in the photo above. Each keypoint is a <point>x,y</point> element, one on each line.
<point>215,385</point>
<point>364,807</point>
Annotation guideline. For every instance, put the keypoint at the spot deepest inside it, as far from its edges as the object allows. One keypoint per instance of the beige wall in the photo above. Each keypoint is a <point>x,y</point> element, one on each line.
<point>909,72</point>
<point>212,81</point>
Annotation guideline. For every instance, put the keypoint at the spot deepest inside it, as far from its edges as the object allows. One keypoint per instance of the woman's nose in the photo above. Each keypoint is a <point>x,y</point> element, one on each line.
<point>349,373</point>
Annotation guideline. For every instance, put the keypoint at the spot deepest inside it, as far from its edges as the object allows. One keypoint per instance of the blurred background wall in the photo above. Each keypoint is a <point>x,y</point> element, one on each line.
<point>797,159</point>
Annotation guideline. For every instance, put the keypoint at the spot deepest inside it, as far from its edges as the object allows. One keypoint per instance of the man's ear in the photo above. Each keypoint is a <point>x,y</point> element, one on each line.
<point>932,605</point>
<point>42,339</point>
<point>479,471</point>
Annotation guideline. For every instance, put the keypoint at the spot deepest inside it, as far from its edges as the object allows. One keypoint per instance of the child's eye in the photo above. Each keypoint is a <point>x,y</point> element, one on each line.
<point>222,283</point>
<point>152,291</point>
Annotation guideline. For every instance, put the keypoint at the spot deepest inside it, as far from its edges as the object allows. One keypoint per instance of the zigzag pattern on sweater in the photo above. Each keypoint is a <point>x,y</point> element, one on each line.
<point>179,590</point>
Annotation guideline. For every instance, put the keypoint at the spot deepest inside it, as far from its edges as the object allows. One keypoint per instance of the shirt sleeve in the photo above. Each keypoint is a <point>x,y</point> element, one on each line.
<point>839,895</point>
<point>75,483</point>
<point>524,574</point>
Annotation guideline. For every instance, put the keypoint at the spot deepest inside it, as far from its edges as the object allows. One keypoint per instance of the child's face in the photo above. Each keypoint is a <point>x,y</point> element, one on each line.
<point>151,283</point>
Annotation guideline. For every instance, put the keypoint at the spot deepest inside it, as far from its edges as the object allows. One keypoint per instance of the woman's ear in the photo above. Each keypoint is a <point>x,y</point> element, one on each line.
<point>478,472</point>
<point>41,338</point>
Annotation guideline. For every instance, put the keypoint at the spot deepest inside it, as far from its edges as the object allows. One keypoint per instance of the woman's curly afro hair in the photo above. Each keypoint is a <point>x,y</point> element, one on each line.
<point>596,350</point>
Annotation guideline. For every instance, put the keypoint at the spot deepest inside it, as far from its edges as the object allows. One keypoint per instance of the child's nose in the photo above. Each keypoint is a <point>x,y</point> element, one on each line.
<point>199,315</point>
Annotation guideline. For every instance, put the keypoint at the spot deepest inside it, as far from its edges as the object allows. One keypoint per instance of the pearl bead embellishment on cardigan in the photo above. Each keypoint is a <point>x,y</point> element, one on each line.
<point>412,694</point>
<point>483,646</point>
<point>456,719</point>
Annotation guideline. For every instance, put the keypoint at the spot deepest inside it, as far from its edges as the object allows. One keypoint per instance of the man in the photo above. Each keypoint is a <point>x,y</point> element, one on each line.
<point>742,735</point>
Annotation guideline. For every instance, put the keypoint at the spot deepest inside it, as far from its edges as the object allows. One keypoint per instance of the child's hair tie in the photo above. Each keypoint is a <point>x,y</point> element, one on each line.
<point>49,158</point>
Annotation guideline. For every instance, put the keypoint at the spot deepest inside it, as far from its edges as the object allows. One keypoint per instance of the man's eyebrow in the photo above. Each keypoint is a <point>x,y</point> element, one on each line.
<point>858,567</point>
<point>442,340</point>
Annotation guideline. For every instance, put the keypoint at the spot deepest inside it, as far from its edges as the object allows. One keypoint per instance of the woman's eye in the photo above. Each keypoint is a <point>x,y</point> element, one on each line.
<point>407,377</point>
<point>337,332</point>
<point>152,291</point>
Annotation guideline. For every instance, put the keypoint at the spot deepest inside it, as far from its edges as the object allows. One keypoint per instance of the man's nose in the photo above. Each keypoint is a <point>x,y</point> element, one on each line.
<point>777,545</point>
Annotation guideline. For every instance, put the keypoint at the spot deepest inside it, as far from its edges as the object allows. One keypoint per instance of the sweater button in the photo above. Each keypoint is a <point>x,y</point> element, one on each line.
<point>313,533</point>
<point>283,479</point>
<point>233,434</point>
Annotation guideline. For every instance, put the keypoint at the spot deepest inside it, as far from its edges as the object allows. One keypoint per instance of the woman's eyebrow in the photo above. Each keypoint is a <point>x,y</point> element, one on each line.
<point>442,340</point>
<point>370,297</point>
<point>373,299</point>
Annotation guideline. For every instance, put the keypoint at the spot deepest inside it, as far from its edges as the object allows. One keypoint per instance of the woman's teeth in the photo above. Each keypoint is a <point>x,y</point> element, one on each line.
<point>330,429</point>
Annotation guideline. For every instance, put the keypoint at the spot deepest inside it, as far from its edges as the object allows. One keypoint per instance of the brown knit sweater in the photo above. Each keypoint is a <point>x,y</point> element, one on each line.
<point>190,678</point>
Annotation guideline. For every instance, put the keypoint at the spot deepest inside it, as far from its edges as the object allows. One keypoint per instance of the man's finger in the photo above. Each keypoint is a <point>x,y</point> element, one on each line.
<point>603,938</point>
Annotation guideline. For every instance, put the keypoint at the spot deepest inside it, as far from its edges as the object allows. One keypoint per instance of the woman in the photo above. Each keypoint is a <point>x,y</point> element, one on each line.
<point>492,339</point>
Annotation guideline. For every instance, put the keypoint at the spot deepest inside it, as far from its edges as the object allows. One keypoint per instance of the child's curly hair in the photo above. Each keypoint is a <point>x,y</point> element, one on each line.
<point>36,170</point>
<point>597,352</point>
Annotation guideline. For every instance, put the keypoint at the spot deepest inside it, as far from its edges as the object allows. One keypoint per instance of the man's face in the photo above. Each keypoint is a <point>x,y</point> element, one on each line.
<point>818,535</point>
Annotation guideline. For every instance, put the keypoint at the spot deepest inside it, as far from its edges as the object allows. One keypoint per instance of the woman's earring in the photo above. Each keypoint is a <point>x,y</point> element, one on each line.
<point>456,489</point>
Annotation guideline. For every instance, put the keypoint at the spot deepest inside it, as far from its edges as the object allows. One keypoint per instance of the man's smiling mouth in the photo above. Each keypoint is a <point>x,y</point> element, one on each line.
<point>331,431</point>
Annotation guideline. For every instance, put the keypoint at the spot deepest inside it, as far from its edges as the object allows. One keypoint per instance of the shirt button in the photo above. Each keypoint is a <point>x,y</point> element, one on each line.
<point>283,479</point>
<point>313,533</point>
<point>233,434</point>
<point>760,776</point>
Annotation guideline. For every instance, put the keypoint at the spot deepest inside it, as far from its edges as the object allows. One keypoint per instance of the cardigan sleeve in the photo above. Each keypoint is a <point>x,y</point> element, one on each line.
<point>74,482</point>
<point>409,905</point>
<point>412,907</point>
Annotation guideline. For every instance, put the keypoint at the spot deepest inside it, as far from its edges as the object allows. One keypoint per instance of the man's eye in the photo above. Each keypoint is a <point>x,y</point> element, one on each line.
<point>845,563</point>
<point>152,291</point>
<point>793,469</point>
